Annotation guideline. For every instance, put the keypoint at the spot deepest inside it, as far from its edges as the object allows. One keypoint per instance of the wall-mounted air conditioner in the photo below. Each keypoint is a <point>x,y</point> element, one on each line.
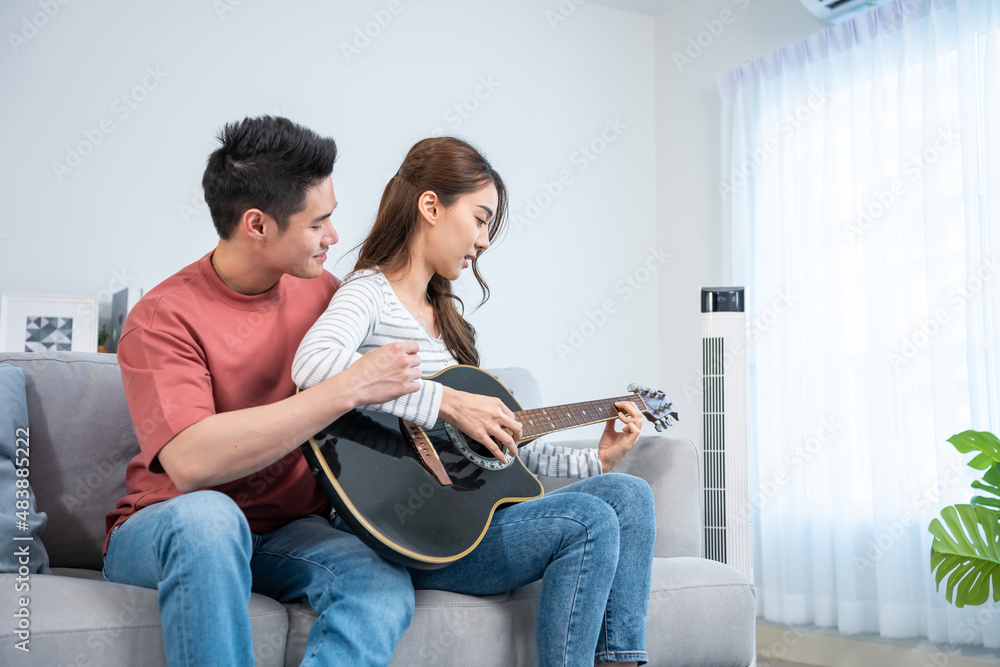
<point>835,11</point>
<point>726,422</point>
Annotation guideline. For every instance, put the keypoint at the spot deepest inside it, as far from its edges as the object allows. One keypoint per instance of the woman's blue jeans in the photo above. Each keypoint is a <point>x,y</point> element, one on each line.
<point>591,544</point>
<point>198,552</point>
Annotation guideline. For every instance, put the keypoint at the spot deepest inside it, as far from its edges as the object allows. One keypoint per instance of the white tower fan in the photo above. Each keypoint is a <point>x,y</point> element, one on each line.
<point>725,409</point>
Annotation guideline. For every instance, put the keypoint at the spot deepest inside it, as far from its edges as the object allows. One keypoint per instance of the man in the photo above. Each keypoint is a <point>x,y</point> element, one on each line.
<point>220,501</point>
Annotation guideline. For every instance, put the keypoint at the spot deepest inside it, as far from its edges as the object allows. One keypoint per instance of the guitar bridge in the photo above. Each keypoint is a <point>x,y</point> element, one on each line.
<point>428,455</point>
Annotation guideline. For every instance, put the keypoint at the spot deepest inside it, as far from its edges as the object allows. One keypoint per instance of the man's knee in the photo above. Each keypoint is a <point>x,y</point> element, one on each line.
<point>207,520</point>
<point>386,586</point>
<point>391,578</point>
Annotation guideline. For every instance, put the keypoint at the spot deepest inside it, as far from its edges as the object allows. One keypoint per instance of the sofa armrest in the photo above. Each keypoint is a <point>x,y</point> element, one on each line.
<point>671,468</point>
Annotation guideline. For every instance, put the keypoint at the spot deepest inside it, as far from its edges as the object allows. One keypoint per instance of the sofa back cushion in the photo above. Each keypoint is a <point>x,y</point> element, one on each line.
<point>81,441</point>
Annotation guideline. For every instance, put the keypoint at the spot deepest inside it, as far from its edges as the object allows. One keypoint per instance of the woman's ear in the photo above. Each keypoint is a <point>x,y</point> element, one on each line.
<point>429,206</point>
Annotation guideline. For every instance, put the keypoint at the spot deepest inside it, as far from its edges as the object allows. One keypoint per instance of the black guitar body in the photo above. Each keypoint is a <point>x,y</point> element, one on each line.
<point>374,477</point>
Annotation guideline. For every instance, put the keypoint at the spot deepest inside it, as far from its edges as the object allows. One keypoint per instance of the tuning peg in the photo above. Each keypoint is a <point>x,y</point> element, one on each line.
<point>632,387</point>
<point>659,426</point>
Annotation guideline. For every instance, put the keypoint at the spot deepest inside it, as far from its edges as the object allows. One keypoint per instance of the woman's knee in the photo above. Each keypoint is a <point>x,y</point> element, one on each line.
<point>627,489</point>
<point>590,518</point>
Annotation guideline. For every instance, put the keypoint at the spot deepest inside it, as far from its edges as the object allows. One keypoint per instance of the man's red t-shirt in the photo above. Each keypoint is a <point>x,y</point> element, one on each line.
<point>192,348</point>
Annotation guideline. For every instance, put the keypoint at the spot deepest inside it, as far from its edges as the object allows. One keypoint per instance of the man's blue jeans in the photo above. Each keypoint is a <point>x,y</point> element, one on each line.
<point>198,552</point>
<point>591,544</point>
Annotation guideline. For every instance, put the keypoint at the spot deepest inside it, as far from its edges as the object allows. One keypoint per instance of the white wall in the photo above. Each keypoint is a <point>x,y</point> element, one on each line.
<point>548,83</point>
<point>694,42</point>
<point>555,74</point>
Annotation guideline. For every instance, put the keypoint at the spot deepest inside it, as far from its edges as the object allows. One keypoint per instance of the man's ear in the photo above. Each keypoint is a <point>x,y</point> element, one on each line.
<point>429,206</point>
<point>255,223</point>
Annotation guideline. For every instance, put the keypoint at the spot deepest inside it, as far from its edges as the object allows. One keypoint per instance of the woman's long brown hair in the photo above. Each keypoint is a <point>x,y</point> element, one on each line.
<point>449,168</point>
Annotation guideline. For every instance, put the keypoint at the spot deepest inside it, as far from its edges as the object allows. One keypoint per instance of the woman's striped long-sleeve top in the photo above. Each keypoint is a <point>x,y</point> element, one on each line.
<point>365,314</point>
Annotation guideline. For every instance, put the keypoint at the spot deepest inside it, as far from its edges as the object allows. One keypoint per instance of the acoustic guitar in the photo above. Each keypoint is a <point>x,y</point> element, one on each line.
<point>425,497</point>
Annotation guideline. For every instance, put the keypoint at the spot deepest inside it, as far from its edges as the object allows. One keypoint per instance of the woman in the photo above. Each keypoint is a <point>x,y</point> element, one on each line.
<point>591,543</point>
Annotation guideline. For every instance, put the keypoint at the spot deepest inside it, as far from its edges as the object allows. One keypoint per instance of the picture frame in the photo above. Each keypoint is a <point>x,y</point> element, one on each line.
<point>48,323</point>
<point>121,303</point>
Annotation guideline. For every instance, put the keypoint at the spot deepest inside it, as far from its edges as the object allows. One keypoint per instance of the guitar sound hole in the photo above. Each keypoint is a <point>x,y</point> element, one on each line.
<point>475,452</point>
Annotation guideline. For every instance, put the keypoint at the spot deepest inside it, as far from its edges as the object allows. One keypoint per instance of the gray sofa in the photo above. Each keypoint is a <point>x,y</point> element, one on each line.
<point>700,612</point>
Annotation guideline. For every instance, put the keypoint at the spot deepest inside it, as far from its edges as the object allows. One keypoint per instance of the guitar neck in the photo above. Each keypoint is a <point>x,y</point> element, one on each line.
<point>542,421</point>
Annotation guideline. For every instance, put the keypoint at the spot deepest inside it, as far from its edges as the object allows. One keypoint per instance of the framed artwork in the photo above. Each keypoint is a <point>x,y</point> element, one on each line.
<point>48,323</point>
<point>121,303</point>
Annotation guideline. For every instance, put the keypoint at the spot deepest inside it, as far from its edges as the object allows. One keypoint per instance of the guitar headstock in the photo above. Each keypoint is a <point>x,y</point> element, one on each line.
<point>659,408</point>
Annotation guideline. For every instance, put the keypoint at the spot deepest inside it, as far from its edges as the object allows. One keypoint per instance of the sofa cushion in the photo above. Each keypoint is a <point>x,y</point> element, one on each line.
<point>79,619</point>
<point>700,613</point>
<point>81,441</point>
<point>20,524</point>
<point>450,629</point>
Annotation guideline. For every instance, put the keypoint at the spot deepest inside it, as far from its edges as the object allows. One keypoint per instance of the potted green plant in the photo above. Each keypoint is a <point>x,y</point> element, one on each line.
<point>966,547</point>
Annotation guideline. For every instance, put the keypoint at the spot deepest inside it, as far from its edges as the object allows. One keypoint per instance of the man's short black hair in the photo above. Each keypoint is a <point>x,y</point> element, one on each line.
<point>268,163</point>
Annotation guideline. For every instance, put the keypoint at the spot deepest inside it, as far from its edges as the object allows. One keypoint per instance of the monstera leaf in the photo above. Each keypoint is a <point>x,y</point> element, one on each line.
<point>978,441</point>
<point>966,550</point>
<point>991,484</point>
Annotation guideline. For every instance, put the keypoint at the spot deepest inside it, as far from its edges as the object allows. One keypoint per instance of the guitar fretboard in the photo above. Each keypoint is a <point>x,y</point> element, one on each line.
<point>542,421</point>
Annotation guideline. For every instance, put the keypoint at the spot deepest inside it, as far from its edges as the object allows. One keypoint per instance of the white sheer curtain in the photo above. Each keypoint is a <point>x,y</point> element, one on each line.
<point>861,199</point>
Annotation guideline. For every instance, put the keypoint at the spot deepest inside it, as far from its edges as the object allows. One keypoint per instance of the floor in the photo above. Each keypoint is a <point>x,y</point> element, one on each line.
<point>812,647</point>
